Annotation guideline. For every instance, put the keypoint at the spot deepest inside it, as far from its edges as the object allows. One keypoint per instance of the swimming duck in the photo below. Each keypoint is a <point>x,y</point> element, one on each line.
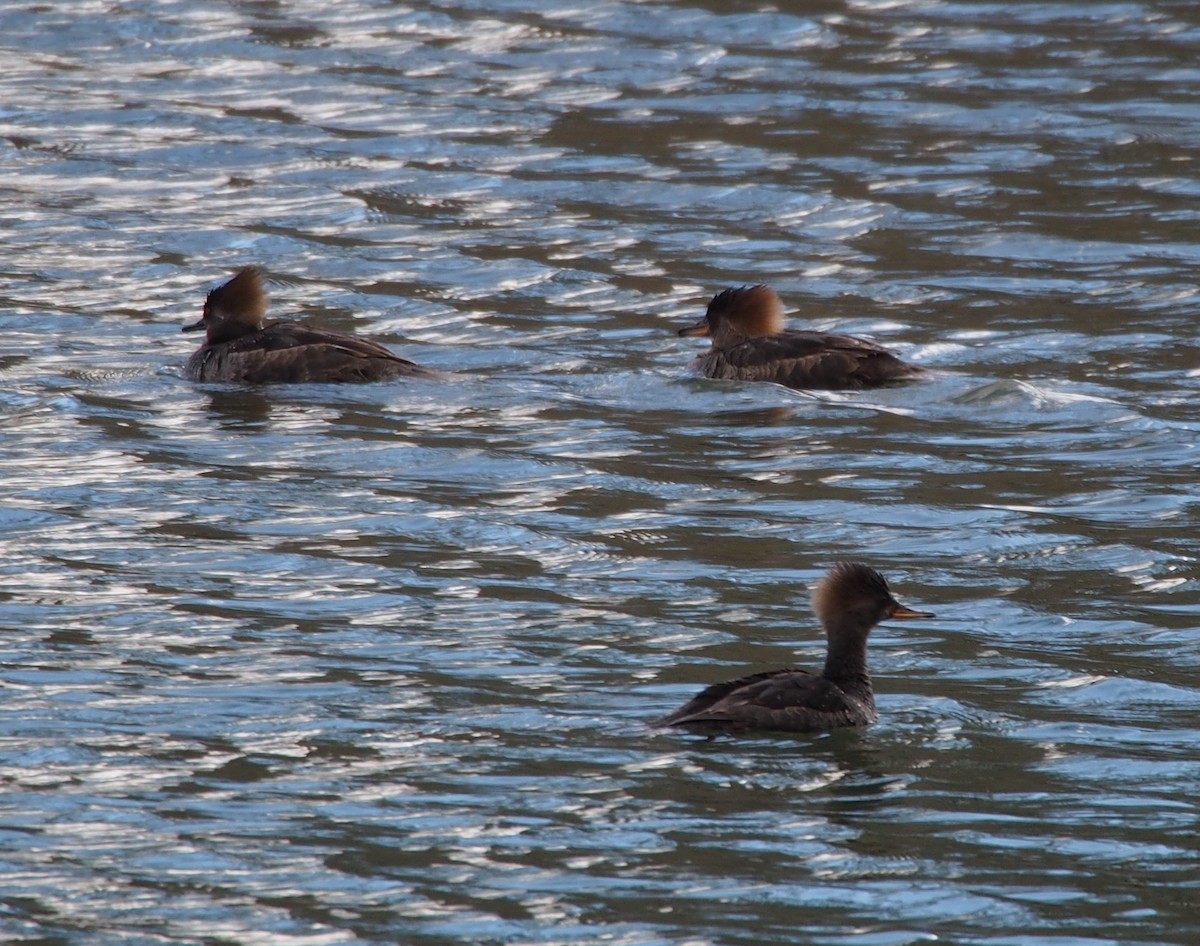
<point>240,346</point>
<point>850,600</point>
<point>749,343</point>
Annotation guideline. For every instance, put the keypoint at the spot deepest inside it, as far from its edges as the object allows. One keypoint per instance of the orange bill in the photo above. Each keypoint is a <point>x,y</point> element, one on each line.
<point>906,612</point>
<point>700,328</point>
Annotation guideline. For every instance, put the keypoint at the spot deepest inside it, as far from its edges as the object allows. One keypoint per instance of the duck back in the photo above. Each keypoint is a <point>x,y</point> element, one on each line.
<point>789,700</point>
<point>813,360</point>
<point>288,352</point>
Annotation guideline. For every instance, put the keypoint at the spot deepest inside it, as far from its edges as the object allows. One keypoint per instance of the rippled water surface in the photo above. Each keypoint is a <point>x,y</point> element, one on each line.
<point>327,665</point>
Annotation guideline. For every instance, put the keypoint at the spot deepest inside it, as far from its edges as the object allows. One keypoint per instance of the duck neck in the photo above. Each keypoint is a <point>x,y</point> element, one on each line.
<point>230,330</point>
<point>846,662</point>
<point>726,337</point>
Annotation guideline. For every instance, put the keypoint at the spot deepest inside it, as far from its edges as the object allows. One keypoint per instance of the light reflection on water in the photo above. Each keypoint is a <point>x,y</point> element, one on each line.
<point>373,665</point>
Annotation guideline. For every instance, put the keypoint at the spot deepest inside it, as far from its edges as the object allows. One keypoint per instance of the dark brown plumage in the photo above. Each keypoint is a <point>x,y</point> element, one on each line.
<point>749,343</point>
<point>240,346</point>
<point>850,600</point>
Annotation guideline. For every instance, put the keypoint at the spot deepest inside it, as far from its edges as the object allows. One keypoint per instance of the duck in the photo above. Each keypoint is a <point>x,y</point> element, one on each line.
<point>240,346</point>
<point>849,600</point>
<point>750,343</point>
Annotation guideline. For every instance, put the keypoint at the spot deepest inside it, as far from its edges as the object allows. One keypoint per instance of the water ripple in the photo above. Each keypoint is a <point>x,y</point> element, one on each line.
<point>351,665</point>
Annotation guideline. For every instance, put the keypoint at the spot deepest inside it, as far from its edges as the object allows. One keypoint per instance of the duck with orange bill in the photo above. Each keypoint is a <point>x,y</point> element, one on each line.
<point>849,601</point>
<point>750,343</point>
<point>240,346</point>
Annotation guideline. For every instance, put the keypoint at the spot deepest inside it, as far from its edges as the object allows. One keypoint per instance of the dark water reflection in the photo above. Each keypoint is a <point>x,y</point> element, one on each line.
<point>326,665</point>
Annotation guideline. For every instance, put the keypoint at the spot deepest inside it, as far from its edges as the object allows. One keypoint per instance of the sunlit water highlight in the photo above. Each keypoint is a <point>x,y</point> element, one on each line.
<point>333,665</point>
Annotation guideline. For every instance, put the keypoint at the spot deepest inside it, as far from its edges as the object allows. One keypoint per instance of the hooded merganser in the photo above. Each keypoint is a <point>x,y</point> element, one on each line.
<point>850,600</point>
<point>749,343</point>
<point>240,346</point>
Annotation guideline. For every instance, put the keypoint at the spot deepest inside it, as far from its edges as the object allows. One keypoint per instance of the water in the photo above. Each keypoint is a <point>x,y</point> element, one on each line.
<point>372,665</point>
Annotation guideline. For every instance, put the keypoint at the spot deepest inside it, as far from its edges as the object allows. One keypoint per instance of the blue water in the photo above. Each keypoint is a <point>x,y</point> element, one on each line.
<point>335,665</point>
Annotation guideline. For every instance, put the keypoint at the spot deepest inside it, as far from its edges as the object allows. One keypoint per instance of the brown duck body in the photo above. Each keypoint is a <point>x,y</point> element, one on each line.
<point>808,360</point>
<point>850,600</point>
<point>787,700</point>
<point>286,352</point>
<point>749,343</point>
<point>240,347</point>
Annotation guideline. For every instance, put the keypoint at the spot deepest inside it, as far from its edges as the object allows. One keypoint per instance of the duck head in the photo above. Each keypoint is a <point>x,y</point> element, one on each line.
<point>852,598</point>
<point>735,315</point>
<point>233,309</point>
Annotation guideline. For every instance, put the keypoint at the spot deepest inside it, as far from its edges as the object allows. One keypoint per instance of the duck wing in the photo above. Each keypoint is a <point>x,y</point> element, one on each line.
<point>815,360</point>
<point>787,699</point>
<point>295,352</point>
<point>281,336</point>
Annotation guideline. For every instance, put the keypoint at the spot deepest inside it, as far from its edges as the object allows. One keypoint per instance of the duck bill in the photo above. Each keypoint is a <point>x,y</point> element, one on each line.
<point>906,612</point>
<point>194,327</point>
<point>700,328</point>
